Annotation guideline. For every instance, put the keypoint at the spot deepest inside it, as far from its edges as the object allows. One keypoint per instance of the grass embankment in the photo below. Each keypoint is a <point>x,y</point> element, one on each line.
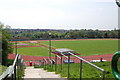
<point>87,71</point>
<point>10,62</point>
<point>2,69</point>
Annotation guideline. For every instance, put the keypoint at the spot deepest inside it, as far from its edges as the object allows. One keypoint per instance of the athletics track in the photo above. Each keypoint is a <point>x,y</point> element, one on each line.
<point>36,59</point>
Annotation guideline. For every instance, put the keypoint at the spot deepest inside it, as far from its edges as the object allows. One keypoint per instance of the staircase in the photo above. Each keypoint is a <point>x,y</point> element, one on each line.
<point>41,74</point>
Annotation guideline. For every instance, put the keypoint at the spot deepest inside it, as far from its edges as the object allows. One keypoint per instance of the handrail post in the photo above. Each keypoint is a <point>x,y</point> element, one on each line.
<point>68,65</point>
<point>12,78</point>
<point>61,65</point>
<point>50,61</point>
<point>103,75</point>
<point>55,63</point>
<point>18,69</point>
<point>20,63</point>
<point>80,69</point>
<point>15,71</point>
<point>45,63</point>
<point>51,64</point>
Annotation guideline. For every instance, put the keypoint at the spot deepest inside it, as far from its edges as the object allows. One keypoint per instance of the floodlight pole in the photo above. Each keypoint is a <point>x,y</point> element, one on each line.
<point>15,64</point>
<point>16,44</point>
<point>50,46</point>
<point>16,47</point>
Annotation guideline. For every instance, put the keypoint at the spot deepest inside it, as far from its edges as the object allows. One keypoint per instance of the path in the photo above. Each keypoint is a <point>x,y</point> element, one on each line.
<point>31,72</point>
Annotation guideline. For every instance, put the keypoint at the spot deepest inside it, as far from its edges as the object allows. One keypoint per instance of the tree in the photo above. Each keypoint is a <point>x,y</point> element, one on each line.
<point>6,46</point>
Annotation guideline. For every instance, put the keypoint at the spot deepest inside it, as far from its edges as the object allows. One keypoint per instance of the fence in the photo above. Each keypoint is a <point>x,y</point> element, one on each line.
<point>81,61</point>
<point>15,71</point>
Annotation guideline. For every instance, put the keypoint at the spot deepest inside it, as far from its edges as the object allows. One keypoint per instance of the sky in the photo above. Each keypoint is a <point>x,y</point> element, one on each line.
<point>59,14</point>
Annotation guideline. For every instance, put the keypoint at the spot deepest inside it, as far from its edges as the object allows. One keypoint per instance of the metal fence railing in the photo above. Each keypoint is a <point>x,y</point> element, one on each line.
<point>81,65</point>
<point>83,60</point>
<point>45,62</point>
<point>15,71</point>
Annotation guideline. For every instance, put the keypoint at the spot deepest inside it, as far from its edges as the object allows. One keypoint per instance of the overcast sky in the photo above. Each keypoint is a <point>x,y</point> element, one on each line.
<point>59,14</point>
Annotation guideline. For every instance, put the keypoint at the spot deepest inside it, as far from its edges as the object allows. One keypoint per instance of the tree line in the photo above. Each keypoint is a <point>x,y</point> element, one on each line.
<point>65,34</point>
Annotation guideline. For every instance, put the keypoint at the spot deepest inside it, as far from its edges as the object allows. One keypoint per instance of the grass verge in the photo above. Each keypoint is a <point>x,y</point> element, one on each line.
<point>87,71</point>
<point>2,69</point>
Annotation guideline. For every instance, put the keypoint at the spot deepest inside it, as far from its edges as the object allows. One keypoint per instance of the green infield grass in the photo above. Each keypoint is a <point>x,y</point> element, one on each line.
<point>33,51</point>
<point>87,47</point>
<point>84,47</point>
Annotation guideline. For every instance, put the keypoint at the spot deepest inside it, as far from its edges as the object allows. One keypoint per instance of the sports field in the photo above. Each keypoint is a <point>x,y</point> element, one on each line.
<point>88,47</point>
<point>33,51</point>
<point>84,47</point>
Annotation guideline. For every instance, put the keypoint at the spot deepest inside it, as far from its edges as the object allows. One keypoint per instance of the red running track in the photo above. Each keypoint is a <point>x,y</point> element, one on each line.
<point>36,59</point>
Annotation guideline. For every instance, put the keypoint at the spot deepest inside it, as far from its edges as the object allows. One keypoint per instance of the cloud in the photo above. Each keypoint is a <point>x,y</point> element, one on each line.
<point>57,13</point>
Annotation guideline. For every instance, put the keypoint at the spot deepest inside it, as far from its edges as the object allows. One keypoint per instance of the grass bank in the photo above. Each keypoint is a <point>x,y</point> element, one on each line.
<point>87,71</point>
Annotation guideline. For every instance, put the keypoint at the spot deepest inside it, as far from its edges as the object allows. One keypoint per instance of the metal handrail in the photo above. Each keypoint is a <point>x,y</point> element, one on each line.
<point>64,55</point>
<point>45,60</point>
<point>17,55</point>
<point>81,59</point>
<point>58,56</point>
<point>51,63</point>
<point>50,60</point>
<point>6,73</point>
<point>10,72</point>
<point>87,62</point>
<point>68,57</point>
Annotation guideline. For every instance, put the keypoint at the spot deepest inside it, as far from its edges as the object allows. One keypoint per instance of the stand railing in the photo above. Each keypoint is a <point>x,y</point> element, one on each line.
<point>83,60</point>
<point>81,65</point>
<point>51,63</point>
<point>15,71</point>
<point>45,62</point>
